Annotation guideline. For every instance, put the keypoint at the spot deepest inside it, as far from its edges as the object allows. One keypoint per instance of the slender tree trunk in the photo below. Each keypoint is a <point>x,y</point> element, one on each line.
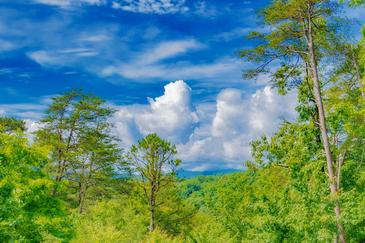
<point>323,128</point>
<point>60,173</point>
<point>81,196</point>
<point>152,203</point>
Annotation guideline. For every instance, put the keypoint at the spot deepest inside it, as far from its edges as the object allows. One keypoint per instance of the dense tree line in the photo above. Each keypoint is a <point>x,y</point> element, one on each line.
<point>73,183</point>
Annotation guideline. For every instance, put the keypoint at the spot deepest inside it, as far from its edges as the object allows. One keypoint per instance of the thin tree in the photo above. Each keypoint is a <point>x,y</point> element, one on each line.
<point>299,39</point>
<point>152,159</point>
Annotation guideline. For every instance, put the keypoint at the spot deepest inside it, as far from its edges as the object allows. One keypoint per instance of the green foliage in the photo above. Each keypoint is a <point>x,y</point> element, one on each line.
<point>354,3</point>
<point>85,156</point>
<point>153,161</point>
<point>8,125</point>
<point>28,212</point>
<point>119,220</point>
<point>76,163</point>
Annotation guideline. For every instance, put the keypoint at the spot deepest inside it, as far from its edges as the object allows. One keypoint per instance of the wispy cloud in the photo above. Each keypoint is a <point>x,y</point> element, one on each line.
<point>153,64</point>
<point>60,57</point>
<point>202,8</point>
<point>30,111</point>
<point>240,32</point>
<point>151,6</point>
<point>68,3</point>
<point>169,49</point>
<point>7,45</point>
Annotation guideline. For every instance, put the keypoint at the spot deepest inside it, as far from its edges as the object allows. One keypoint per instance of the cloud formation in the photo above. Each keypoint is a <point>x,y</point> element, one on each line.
<point>151,6</point>
<point>68,3</point>
<point>155,63</point>
<point>26,111</point>
<point>58,58</point>
<point>208,135</point>
<point>171,115</point>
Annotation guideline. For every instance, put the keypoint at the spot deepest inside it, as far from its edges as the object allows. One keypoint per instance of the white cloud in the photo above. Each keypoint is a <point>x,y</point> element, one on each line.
<point>238,120</point>
<point>68,3</point>
<point>61,57</point>
<point>23,110</point>
<point>60,3</point>
<point>31,127</point>
<point>151,6</point>
<point>208,135</point>
<point>43,58</point>
<point>240,32</point>
<point>7,45</point>
<point>202,9</point>
<point>169,49</point>
<point>149,64</point>
<point>219,68</point>
<point>171,115</point>
<point>145,63</point>
<point>94,37</point>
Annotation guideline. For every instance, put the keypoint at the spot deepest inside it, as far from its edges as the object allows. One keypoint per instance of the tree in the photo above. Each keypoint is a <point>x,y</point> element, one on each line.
<point>299,40</point>
<point>28,212</point>
<point>77,127</point>
<point>59,130</point>
<point>152,158</point>
<point>355,2</point>
<point>9,125</point>
<point>96,161</point>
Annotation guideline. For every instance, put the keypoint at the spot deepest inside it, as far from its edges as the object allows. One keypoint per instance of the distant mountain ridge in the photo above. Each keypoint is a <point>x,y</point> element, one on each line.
<point>190,174</point>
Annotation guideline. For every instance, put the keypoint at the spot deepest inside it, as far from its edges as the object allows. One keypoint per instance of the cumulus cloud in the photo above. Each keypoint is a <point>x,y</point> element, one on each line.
<point>171,115</point>
<point>208,135</point>
<point>151,6</point>
<point>238,120</point>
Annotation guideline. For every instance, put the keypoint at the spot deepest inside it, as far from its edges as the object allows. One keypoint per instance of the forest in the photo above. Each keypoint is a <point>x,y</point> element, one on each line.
<point>71,181</point>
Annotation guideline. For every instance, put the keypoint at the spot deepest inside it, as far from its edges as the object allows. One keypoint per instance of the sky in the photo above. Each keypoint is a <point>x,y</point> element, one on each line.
<point>166,66</point>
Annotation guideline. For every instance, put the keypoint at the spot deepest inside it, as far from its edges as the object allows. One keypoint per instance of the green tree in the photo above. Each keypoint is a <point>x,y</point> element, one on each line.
<point>153,160</point>
<point>28,212</point>
<point>83,151</point>
<point>96,162</point>
<point>299,41</point>
<point>8,125</point>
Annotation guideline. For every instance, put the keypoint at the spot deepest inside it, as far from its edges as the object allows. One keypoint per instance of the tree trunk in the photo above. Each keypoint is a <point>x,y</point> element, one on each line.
<point>81,197</point>
<point>152,209</point>
<point>323,128</point>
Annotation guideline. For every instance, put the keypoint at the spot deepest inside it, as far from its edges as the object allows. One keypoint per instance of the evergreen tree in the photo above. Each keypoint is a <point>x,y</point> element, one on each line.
<point>299,40</point>
<point>77,127</point>
<point>153,161</point>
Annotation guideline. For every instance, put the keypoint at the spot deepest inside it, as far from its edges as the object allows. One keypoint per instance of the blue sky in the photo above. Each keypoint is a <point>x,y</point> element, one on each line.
<point>52,45</point>
<point>131,52</point>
